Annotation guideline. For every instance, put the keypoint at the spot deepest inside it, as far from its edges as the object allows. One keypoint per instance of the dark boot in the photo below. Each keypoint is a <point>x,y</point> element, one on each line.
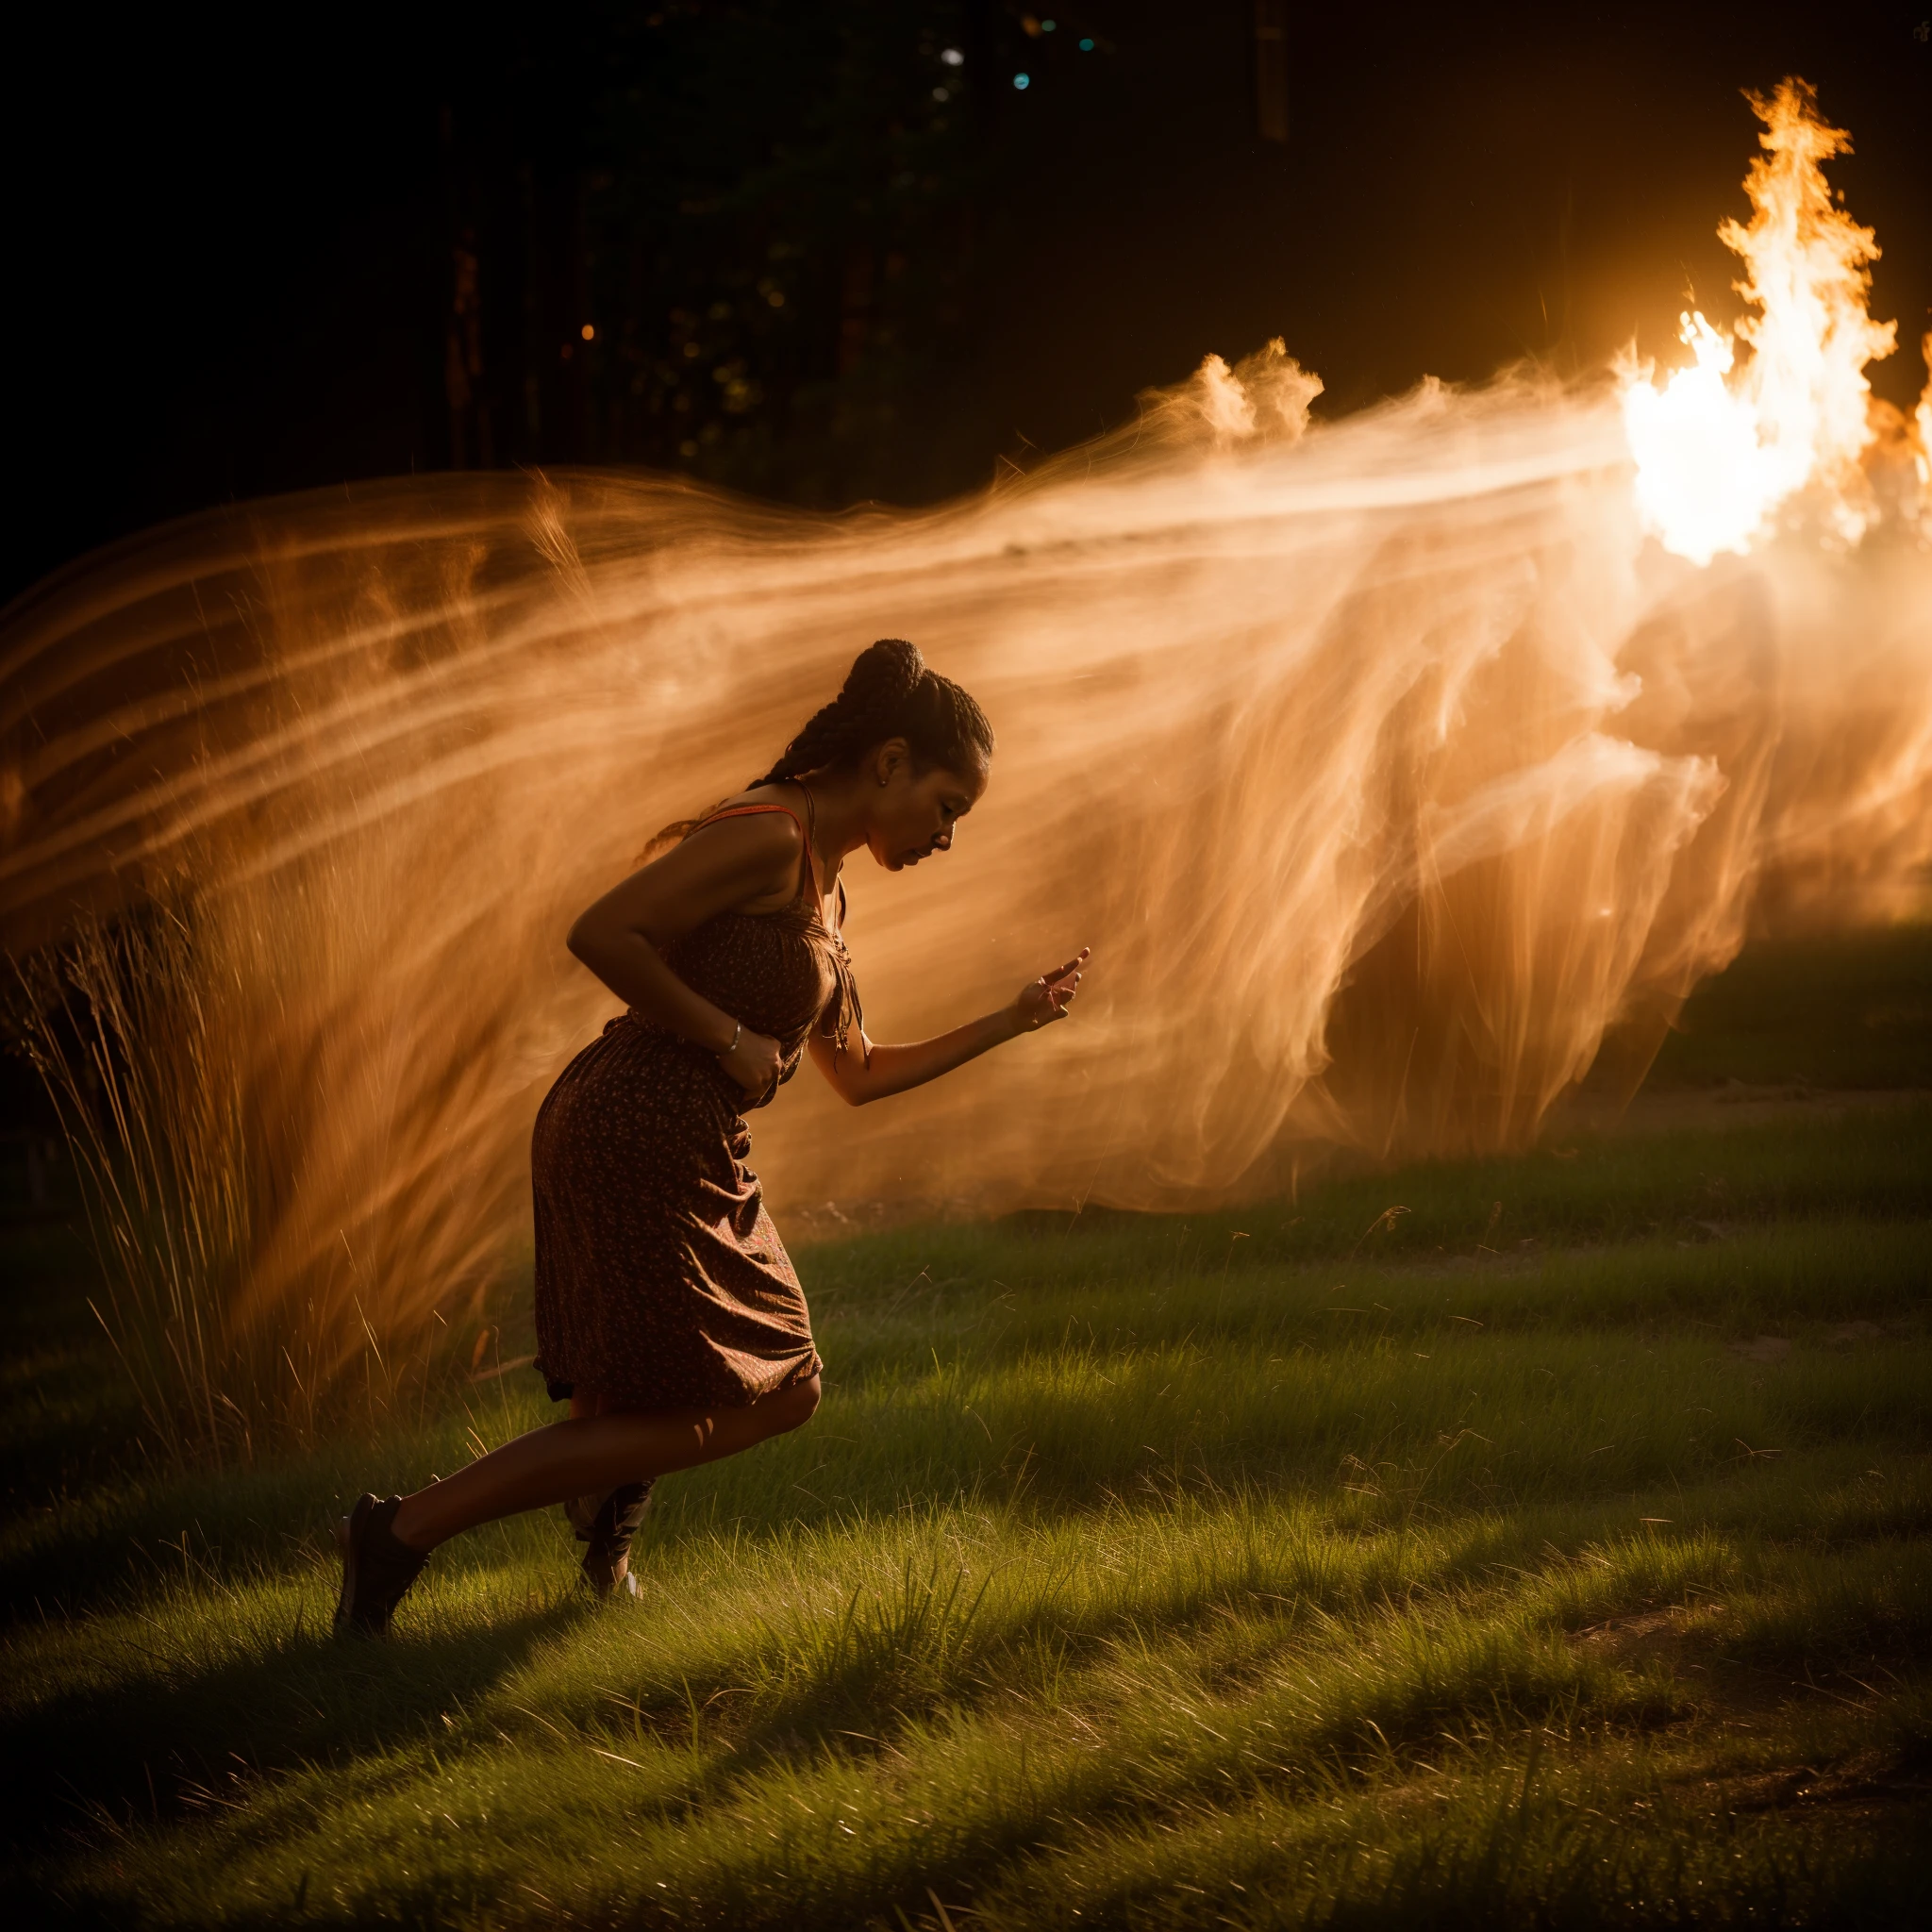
<point>607,1524</point>
<point>376,1567</point>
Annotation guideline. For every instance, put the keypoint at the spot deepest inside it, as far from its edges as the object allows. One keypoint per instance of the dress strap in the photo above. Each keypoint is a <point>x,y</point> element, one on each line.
<point>745,811</point>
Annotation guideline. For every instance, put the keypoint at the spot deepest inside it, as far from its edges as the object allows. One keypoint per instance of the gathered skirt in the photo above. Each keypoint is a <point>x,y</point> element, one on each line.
<point>662,1281</point>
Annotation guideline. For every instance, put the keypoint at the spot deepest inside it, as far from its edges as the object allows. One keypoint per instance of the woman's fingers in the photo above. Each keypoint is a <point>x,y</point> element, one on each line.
<point>754,1062</point>
<point>1072,965</point>
<point>1061,985</point>
<point>1058,999</point>
<point>1047,999</point>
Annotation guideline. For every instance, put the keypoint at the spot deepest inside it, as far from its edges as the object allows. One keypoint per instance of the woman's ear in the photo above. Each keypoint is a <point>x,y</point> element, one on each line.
<point>889,758</point>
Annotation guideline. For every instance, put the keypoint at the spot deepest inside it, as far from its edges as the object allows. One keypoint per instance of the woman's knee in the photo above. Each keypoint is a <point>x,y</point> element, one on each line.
<point>793,1407</point>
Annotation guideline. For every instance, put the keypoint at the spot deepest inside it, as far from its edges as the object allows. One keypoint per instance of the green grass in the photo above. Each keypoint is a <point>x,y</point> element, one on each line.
<point>1840,1009</point>
<point>1557,1551</point>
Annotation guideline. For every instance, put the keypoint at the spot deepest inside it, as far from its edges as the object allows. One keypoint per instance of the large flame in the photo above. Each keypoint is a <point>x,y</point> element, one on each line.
<point>1387,766</point>
<point>1721,450</point>
<point>1922,419</point>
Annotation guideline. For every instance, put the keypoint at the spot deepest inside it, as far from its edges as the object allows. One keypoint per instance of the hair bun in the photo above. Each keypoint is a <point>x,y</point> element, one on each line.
<point>889,693</point>
<point>882,677</point>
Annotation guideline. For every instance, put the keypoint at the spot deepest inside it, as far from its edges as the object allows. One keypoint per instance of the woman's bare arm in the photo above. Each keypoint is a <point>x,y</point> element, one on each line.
<point>860,1076</point>
<point>744,865</point>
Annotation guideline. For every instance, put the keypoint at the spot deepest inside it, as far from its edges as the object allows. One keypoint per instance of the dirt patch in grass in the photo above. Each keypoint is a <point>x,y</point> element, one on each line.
<point>1724,1692</point>
<point>1867,1782</point>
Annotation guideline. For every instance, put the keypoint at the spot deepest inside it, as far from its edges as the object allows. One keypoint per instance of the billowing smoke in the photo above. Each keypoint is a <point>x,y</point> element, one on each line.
<point>1387,765</point>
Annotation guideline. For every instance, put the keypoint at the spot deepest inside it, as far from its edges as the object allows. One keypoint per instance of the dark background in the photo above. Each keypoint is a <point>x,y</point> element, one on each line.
<point>250,256</point>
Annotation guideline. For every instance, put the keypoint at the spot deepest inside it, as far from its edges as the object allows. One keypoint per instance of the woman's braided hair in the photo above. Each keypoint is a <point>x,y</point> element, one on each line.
<point>889,693</point>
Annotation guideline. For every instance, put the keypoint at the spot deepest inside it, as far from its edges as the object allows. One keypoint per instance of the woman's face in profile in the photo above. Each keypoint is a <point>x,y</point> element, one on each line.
<point>915,812</point>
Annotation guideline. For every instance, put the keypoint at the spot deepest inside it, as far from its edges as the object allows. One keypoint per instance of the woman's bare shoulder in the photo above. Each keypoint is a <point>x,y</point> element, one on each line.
<point>745,828</point>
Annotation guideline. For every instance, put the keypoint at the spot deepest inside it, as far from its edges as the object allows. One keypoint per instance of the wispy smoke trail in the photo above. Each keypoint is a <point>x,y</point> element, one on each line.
<point>1385,765</point>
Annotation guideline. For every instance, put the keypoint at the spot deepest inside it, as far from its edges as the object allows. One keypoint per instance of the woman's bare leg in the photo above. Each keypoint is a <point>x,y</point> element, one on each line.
<point>583,1403</point>
<point>589,1402</point>
<point>593,1452</point>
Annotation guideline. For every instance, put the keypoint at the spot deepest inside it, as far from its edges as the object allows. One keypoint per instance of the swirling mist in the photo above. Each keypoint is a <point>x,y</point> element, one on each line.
<point>1385,765</point>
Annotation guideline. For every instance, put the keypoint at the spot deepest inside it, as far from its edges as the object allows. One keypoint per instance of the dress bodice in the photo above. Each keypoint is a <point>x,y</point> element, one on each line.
<point>782,973</point>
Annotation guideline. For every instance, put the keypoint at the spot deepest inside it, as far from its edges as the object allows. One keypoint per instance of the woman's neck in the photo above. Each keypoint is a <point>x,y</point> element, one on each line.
<point>837,818</point>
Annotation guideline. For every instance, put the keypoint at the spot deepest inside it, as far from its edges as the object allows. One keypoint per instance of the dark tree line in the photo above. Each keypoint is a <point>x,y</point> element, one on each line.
<point>756,248</point>
<point>263,254</point>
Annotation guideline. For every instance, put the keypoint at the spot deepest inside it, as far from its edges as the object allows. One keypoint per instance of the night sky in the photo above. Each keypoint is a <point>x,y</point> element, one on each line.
<point>257,257</point>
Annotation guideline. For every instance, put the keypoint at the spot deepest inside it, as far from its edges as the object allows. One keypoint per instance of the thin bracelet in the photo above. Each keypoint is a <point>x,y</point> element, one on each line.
<point>736,1034</point>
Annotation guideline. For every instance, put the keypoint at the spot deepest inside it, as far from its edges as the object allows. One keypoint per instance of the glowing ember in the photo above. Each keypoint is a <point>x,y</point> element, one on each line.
<point>1721,450</point>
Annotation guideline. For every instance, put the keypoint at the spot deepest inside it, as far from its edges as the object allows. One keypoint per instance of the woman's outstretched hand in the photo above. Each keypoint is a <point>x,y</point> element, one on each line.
<point>1048,997</point>
<point>754,1062</point>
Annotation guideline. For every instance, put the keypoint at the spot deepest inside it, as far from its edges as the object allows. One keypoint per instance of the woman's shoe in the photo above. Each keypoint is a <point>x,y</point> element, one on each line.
<point>378,1566</point>
<point>606,1522</point>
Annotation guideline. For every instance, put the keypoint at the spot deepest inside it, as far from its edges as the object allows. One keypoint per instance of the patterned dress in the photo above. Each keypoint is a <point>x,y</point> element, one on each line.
<point>660,1278</point>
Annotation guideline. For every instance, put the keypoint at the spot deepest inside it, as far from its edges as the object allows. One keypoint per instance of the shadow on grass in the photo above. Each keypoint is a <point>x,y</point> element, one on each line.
<point>68,1416</point>
<point>110,1545</point>
<point>157,1745</point>
<point>1834,1009</point>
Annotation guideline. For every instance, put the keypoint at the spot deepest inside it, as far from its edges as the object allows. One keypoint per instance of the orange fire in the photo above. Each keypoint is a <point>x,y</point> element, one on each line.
<point>1720,450</point>
<point>1923,421</point>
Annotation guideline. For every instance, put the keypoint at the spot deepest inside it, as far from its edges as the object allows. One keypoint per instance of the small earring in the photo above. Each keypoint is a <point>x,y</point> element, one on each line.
<point>885,781</point>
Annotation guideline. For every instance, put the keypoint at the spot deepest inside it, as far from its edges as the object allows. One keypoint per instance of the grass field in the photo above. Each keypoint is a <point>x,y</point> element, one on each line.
<point>1554,1551</point>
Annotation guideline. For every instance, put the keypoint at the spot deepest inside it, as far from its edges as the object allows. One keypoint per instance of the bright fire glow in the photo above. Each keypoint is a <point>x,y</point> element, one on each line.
<point>1721,450</point>
<point>1923,419</point>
